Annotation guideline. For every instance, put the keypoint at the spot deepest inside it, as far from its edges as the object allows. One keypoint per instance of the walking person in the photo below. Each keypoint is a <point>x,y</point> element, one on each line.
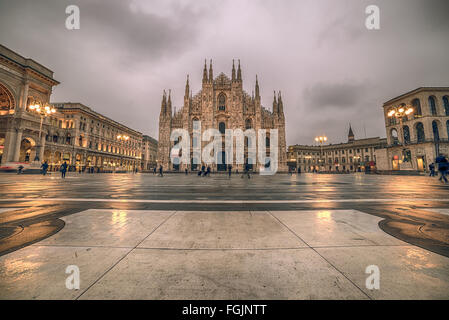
<point>432,169</point>
<point>161,174</point>
<point>154,171</point>
<point>186,171</point>
<point>203,170</point>
<point>229,171</point>
<point>207,171</point>
<point>63,170</point>
<point>443,167</point>
<point>246,172</point>
<point>44,167</point>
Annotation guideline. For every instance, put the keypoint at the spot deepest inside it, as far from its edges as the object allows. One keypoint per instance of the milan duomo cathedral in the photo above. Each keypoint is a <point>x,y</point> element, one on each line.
<point>221,104</point>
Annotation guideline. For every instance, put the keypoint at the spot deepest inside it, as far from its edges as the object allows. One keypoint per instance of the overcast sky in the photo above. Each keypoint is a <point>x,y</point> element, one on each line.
<point>330,68</point>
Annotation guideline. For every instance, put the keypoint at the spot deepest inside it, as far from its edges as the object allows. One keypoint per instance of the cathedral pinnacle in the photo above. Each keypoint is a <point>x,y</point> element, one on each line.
<point>239,73</point>
<point>205,71</point>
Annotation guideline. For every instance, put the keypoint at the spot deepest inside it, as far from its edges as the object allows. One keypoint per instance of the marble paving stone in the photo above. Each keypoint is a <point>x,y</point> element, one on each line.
<point>439,210</point>
<point>336,228</point>
<point>223,274</point>
<point>405,272</point>
<point>8,209</point>
<point>119,228</point>
<point>39,272</point>
<point>222,229</point>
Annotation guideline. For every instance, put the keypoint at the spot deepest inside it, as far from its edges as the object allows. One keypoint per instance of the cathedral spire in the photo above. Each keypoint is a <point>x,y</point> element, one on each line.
<point>163,104</point>
<point>205,72</point>
<point>257,88</point>
<point>275,104</point>
<point>169,103</point>
<point>239,73</point>
<point>233,70</point>
<point>280,104</point>
<point>350,134</point>
<point>211,73</point>
<point>186,95</point>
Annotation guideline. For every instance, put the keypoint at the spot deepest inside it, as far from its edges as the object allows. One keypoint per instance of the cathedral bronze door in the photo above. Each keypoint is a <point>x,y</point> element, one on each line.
<point>222,166</point>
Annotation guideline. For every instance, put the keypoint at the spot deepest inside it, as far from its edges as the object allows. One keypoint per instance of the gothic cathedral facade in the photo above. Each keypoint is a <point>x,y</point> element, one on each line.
<point>221,104</point>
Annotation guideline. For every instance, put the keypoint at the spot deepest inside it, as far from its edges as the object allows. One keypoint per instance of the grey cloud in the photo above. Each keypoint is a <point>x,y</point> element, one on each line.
<point>330,69</point>
<point>337,95</point>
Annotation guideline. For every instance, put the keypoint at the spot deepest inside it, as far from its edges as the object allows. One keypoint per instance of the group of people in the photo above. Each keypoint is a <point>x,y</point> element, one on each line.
<point>205,171</point>
<point>442,165</point>
<point>62,168</point>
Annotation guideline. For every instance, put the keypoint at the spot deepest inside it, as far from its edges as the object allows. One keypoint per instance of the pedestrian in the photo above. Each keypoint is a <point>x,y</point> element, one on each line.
<point>246,172</point>
<point>203,170</point>
<point>229,170</point>
<point>161,174</point>
<point>432,169</point>
<point>64,170</point>
<point>44,167</point>
<point>299,170</point>
<point>154,171</point>
<point>443,167</point>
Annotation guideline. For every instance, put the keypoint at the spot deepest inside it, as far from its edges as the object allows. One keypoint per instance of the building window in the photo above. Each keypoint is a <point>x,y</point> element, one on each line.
<point>432,106</point>
<point>222,102</point>
<point>406,134</point>
<point>436,132</point>
<point>420,136</point>
<point>248,124</point>
<point>394,136</point>
<point>406,155</point>
<point>417,108</point>
<point>222,127</point>
<point>447,127</point>
<point>446,105</point>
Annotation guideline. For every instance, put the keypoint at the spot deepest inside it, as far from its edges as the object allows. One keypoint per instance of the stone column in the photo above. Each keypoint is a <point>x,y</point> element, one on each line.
<point>25,95</point>
<point>9,146</point>
<point>17,147</point>
<point>41,151</point>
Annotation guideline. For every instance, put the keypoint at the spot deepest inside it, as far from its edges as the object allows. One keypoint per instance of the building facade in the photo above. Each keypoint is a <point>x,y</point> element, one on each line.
<point>149,153</point>
<point>220,104</point>
<point>74,133</point>
<point>415,140</point>
<point>353,156</point>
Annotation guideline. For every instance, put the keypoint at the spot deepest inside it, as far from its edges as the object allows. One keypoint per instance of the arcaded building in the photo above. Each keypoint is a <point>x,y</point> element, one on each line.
<point>221,104</point>
<point>355,155</point>
<point>415,139</point>
<point>149,153</point>
<point>74,133</point>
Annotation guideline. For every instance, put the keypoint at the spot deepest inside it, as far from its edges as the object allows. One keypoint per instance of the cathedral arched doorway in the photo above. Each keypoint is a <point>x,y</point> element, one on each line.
<point>27,150</point>
<point>194,164</point>
<point>222,157</point>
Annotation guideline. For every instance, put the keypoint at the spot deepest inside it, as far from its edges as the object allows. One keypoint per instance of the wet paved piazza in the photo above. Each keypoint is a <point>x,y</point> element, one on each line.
<point>139,236</point>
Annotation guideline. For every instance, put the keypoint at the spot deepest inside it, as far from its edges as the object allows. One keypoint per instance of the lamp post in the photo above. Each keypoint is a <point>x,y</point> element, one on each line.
<point>123,139</point>
<point>400,113</point>
<point>42,111</point>
<point>321,140</point>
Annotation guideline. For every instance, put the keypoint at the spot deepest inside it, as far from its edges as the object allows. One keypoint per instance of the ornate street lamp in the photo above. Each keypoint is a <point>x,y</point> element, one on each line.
<point>43,111</point>
<point>122,138</point>
<point>321,140</point>
<point>400,113</point>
